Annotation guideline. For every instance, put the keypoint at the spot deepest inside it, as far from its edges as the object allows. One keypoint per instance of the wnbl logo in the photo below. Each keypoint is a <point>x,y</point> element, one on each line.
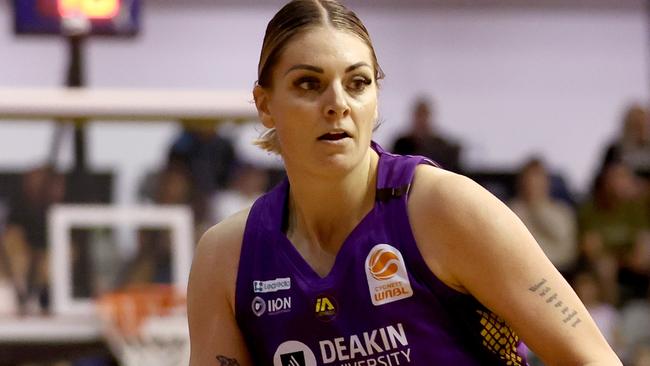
<point>383,264</point>
<point>386,273</point>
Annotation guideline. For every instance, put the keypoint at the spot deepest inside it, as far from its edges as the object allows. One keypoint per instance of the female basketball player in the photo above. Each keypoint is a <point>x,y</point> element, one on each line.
<point>363,257</point>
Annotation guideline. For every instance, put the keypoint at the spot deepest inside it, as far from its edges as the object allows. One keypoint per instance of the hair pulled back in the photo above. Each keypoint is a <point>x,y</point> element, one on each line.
<point>294,18</point>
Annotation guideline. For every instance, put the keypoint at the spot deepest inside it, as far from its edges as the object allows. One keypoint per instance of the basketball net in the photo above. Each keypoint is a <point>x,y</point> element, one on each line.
<point>146,325</point>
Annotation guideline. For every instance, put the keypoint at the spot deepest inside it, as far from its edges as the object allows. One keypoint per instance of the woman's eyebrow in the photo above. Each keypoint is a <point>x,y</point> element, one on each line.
<point>305,67</point>
<point>356,66</point>
<point>321,71</point>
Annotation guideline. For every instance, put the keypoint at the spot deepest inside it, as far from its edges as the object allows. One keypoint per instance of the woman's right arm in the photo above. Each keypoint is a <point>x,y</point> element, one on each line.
<point>215,337</point>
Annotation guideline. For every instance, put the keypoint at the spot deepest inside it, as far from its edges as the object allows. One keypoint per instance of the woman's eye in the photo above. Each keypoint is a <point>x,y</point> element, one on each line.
<point>307,83</point>
<point>359,84</point>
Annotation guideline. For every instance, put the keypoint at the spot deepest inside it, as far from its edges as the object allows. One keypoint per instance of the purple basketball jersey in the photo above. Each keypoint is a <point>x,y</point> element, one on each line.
<point>380,305</point>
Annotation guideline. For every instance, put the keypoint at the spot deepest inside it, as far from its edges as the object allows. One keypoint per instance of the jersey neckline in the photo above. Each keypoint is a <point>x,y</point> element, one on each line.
<point>342,259</point>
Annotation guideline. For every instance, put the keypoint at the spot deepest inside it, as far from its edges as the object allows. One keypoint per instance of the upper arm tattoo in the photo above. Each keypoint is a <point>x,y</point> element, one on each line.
<point>569,315</point>
<point>225,361</point>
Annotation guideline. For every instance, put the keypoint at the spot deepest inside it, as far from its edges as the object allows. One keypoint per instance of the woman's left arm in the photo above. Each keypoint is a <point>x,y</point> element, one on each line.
<point>475,244</point>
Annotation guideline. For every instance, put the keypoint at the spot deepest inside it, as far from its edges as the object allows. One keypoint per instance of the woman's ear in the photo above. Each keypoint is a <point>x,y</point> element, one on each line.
<point>261,96</point>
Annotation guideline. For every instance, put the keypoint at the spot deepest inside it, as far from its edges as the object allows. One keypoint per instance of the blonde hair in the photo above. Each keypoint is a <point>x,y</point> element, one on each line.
<point>295,17</point>
<point>268,141</point>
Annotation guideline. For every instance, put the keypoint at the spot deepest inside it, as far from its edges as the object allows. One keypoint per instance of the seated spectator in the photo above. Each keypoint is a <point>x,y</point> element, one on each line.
<point>550,221</point>
<point>424,139</point>
<point>613,220</point>
<point>633,146</point>
<point>152,261</point>
<point>635,328</point>
<point>641,355</point>
<point>24,238</point>
<point>634,273</point>
<point>248,184</point>
<point>588,288</point>
<point>15,255</point>
<point>210,159</point>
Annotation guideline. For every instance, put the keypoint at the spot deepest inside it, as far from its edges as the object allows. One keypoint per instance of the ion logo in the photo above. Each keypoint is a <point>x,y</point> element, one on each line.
<point>273,306</point>
<point>326,308</point>
<point>294,353</point>
<point>258,306</point>
<point>388,280</point>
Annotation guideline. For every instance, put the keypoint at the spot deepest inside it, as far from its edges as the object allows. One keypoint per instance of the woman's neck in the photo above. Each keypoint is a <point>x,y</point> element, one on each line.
<point>324,210</point>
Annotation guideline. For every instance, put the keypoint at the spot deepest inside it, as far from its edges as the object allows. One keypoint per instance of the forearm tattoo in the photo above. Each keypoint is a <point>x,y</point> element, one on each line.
<point>569,315</point>
<point>225,361</point>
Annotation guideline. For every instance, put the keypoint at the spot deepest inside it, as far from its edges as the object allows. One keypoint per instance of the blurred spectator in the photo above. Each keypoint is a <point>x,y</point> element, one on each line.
<point>152,261</point>
<point>634,273</point>
<point>635,328</point>
<point>613,222</point>
<point>587,286</point>
<point>8,299</point>
<point>210,159</point>
<point>550,221</point>
<point>24,239</point>
<point>641,354</point>
<point>206,161</point>
<point>248,184</point>
<point>633,146</point>
<point>209,156</point>
<point>174,186</point>
<point>615,213</point>
<point>14,270</point>
<point>424,139</point>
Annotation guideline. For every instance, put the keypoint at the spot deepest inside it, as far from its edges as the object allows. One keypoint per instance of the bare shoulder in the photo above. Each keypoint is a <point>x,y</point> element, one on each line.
<point>474,243</point>
<point>224,237</point>
<point>217,255</point>
<point>449,194</point>
<point>451,216</point>
<point>210,295</point>
<point>455,203</point>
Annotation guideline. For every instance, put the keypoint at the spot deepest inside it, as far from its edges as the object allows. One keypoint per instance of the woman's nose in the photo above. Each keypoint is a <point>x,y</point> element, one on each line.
<point>336,104</point>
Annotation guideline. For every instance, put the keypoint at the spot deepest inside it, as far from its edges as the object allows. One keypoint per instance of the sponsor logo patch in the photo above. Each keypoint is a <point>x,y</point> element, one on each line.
<point>294,353</point>
<point>258,306</point>
<point>278,284</point>
<point>386,273</point>
<point>274,306</point>
<point>387,346</point>
<point>293,359</point>
<point>326,307</point>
